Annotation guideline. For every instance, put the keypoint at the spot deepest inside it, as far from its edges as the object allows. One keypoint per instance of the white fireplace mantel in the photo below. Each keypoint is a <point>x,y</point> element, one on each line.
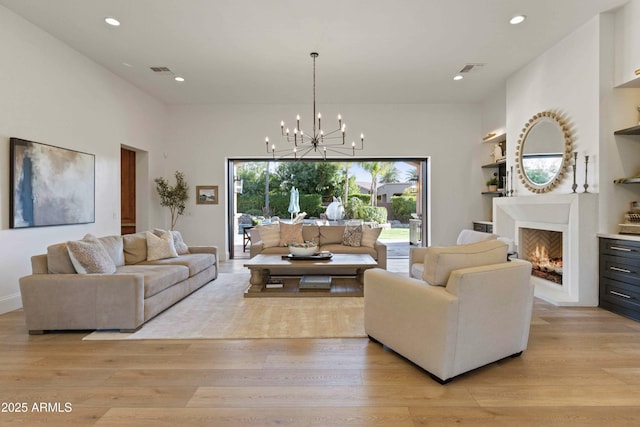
<point>576,215</point>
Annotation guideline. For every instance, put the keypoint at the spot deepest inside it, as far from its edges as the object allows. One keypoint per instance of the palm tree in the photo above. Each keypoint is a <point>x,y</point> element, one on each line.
<point>412,175</point>
<point>346,182</point>
<point>390,176</point>
<point>376,169</point>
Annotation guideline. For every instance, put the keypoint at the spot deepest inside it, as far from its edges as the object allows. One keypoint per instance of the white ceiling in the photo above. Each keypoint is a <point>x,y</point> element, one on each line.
<point>257,51</point>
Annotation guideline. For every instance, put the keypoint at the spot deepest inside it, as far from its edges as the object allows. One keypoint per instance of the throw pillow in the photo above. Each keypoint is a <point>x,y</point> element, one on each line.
<point>160,247</point>
<point>439,262</point>
<point>290,233</point>
<point>88,256</point>
<point>370,236</point>
<point>352,235</point>
<point>270,235</point>
<point>58,260</point>
<point>135,248</point>
<point>178,242</point>
<point>115,248</point>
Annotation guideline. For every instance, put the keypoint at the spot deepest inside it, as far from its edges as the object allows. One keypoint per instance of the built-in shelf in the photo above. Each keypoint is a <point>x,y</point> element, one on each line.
<point>496,138</point>
<point>496,164</point>
<point>495,193</point>
<point>635,130</point>
<point>627,181</point>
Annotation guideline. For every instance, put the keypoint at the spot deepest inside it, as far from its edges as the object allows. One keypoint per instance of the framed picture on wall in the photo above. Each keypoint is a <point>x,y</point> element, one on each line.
<point>207,194</point>
<point>50,185</point>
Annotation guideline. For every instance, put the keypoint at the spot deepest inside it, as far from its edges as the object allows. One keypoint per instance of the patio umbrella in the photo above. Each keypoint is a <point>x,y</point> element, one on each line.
<point>294,204</point>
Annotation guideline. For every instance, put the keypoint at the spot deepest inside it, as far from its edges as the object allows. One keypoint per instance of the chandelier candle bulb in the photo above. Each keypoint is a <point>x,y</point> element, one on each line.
<point>298,120</point>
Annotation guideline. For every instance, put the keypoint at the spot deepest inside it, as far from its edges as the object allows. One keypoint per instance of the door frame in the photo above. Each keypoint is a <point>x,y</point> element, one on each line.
<point>424,185</point>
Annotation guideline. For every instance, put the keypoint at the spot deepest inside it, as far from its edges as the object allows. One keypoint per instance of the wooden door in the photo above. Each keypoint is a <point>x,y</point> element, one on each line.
<point>127,191</point>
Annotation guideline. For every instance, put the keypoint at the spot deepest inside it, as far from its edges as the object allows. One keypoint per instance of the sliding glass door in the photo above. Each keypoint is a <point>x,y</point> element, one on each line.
<point>389,192</point>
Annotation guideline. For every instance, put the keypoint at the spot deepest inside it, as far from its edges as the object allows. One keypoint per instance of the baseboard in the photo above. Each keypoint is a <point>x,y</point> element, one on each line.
<point>10,303</point>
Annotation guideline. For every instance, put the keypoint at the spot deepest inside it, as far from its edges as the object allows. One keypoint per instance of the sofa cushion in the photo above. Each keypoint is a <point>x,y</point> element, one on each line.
<point>467,236</point>
<point>269,234</point>
<point>194,262</point>
<point>417,270</point>
<point>370,236</point>
<point>135,248</point>
<point>331,234</point>
<point>352,235</point>
<point>441,261</point>
<point>115,247</point>
<point>58,260</point>
<point>157,278</point>
<point>160,247</point>
<point>311,233</point>
<point>290,233</point>
<point>88,256</point>
<point>178,242</point>
<point>342,249</point>
<point>275,250</point>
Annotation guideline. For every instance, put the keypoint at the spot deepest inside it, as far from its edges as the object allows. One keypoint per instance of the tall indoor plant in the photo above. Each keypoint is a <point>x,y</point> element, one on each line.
<point>175,197</point>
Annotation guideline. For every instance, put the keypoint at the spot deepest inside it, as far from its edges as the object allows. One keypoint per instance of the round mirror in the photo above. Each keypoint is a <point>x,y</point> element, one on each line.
<point>543,152</point>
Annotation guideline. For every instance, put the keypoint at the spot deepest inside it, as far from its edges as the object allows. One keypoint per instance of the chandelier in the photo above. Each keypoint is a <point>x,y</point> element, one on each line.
<point>318,142</point>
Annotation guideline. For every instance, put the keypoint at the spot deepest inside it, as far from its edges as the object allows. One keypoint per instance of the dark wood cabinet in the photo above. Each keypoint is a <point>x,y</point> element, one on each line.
<point>620,277</point>
<point>483,226</point>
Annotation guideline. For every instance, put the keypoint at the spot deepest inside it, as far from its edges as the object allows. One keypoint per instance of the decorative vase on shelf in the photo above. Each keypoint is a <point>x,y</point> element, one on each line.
<point>492,188</point>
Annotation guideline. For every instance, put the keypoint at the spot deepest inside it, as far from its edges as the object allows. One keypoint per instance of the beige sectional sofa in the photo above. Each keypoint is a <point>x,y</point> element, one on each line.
<point>329,238</point>
<point>56,297</point>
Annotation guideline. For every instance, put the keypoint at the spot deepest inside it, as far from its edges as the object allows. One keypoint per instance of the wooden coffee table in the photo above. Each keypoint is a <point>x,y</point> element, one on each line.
<point>346,270</point>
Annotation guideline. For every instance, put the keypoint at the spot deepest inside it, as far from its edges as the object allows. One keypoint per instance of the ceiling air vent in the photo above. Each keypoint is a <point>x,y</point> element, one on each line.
<point>471,68</point>
<point>162,70</point>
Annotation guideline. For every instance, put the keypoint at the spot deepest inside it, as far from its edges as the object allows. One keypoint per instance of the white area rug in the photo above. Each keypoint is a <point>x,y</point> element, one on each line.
<point>219,311</point>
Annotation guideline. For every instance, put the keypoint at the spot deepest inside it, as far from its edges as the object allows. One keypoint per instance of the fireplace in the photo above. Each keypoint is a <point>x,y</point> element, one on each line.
<point>566,224</point>
<point>543,249</point>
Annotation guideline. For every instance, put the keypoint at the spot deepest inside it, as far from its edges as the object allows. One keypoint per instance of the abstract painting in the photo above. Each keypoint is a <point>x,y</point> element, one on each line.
<point>50,185</point>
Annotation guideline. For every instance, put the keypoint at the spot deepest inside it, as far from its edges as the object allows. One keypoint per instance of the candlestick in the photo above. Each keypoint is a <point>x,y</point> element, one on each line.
<point>511,175</point>
<point>586,169</point>
<point>575,164</point>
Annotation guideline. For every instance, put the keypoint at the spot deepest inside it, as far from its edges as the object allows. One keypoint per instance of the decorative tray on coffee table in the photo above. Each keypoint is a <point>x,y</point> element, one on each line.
<point>315,257</point>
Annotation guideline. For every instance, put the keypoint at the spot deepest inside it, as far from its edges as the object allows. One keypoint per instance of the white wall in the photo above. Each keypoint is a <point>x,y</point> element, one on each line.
<point>52,94</point>
<point>564,79</point>
<point>200,139</point>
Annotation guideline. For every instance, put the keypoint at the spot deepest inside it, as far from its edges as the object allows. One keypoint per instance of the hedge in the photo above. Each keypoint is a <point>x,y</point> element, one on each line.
<point>402,207</point>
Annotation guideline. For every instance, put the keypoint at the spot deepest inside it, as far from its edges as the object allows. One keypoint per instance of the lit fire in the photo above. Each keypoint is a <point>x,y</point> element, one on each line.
<point>540,260</point>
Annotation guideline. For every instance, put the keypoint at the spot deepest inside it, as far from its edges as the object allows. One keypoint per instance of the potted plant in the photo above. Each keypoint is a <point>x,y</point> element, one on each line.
<point>492,184</point>
<point>173,197</point>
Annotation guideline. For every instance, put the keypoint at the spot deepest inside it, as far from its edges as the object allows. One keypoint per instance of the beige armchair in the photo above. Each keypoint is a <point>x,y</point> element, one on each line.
<point>416,255</point>
<point>475,309</point>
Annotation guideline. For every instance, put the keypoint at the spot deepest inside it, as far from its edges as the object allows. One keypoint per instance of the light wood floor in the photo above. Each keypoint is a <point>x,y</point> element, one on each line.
<point>582,368</point>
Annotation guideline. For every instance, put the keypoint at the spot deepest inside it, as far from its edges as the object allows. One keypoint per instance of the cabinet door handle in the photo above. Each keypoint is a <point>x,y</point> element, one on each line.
<point>621,270</point>
<point>620,295</point>
<point>618,248</point>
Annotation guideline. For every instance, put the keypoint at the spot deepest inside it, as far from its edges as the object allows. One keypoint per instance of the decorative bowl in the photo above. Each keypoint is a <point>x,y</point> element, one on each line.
<point>302,249</point>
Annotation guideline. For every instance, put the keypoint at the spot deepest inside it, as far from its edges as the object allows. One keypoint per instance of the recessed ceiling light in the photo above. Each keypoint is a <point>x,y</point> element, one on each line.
<point>458,77</point>
<point>179,79</point>
<point>518,19</point>
<point>112,21</point>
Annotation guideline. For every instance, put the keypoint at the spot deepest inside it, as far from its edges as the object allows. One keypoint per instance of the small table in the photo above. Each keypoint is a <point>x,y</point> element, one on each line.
<point>263,267</point>
<point>246,236</point>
